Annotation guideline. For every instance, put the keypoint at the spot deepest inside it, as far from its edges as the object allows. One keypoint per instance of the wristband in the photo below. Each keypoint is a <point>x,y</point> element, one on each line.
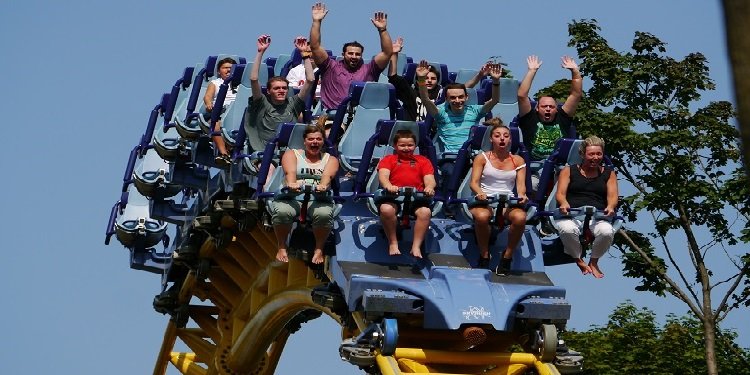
<point>495,83</point>
<point>381,30</point>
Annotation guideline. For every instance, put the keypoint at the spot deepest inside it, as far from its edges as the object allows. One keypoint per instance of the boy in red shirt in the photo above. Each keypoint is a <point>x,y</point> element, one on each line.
<point>404,169</point>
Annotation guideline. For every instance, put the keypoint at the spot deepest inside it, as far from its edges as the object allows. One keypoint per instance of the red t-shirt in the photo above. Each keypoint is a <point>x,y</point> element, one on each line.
<point>407,172</point>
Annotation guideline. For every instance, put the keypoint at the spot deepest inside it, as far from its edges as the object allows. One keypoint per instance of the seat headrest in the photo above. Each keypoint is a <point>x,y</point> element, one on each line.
<point>371,95</point>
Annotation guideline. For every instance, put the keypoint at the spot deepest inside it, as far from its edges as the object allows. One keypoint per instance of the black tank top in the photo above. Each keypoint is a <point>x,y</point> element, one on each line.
<point>584,191</point>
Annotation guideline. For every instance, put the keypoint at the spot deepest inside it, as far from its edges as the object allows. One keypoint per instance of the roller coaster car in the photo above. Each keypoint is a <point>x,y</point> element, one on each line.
<point>402,300</point>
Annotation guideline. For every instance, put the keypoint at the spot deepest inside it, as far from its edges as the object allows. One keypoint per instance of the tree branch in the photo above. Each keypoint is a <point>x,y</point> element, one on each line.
<point>676,288</point>
<point>723,309</point>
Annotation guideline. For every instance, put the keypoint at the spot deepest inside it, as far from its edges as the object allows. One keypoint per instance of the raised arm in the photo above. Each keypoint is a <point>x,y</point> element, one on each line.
<point>380,21</point>
<point>496,71</point>
<point>562,190</point>
<point>398,45</point>
<point>422,70</point>
<point>613,195</point>
<point>524,103</point>
<point>576,86</point>
<point>301,43</point>
<point>319,54</point>
<point>483,71</point>
<point>263,42</point>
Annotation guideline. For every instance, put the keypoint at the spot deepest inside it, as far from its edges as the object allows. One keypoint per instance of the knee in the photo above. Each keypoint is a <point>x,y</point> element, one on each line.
<point>322,217</point>
<point>481,216</point>
<point>423,213</point>
<point>568,227</point>
<point>517,217</point>
<point>387,210</point>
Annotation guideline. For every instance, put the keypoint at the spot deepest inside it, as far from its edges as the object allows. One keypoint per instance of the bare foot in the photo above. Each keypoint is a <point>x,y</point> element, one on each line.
<point>416,253</point>
<point>318,257</point>
<point>585,269</point>
<point>281,256</point>
<point>595,270</point>
<point>393,250</point>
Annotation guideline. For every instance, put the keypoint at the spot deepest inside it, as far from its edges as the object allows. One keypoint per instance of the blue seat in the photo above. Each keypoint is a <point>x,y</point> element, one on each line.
<point>278,63</point>
<point>133,224</point>
<point>366,183</point>
<point>371,101</point>
<point>188,125</point>
<point>463,75</point>
<point>152,176</point>
<point>566,152</point>
<point>288,136</point>
<point>410,72</point>
<point>507,106</point>
<point>180,95</point>
<point>459,191</point>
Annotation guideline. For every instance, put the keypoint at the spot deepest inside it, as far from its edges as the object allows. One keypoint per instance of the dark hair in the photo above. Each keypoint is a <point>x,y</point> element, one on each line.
<point>435,91</point>
<point>224,61</point>
<point>314,128</point>
<point>274,79</point>
<point>456,86</point>
<point>353,44</point>
<point>404,133</point>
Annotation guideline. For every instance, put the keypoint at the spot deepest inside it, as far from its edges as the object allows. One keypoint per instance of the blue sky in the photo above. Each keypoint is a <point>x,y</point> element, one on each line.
<point>82,76</point>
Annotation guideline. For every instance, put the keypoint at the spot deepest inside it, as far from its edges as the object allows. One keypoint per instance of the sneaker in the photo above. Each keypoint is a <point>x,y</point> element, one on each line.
<point>503,269</point>
<point>223,161</point>
<point>484,263</point>
<point>546,228</point>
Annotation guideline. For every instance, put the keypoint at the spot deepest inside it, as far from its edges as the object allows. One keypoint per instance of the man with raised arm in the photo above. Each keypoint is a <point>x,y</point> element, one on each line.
<point>542,128</point>
<point>265,112</point>
<point>337,75</point>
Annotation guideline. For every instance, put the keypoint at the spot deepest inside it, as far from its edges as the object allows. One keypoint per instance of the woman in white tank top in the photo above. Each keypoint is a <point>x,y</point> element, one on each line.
<point>498,171</point>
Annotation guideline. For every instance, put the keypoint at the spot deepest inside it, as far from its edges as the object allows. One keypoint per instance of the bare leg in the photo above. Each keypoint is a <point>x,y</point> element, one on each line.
<point>282,232</point>
<point>388,219</point>
<point>585,269</point>
<point>420,229</point>
<point>482,230</point>
<point>517,219</point>
<point>594,264</point>
<point>321,234</point>
<point>219,140</point>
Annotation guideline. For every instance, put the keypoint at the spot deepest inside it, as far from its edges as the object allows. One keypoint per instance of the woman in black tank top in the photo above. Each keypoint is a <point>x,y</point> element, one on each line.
<point>587,184</point>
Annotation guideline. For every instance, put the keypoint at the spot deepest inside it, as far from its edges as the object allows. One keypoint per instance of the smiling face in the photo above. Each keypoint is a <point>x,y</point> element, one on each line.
<point>405,146</point>
<point>352,57</point>
<point>592,157</point>
<point>456,98</point>
<point>546,108</point>
<point>224,70</point>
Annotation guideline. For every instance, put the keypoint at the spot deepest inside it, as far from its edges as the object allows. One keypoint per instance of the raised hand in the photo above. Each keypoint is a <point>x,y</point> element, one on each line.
<point>398,45</point>
<point>423,68</point>
<point>569,63</point>
<point>263,42</point>
<point>533,62</point>
<point>380,20</point>
<point>484,70</point>
<point>496,71</point>
<point>319,11</point>
<point>301,43</point>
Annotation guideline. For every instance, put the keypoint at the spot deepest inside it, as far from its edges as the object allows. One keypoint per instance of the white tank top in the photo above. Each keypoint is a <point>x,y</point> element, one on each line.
<point>498,181</point>
<point>231,94</point>
<point>309,173</point>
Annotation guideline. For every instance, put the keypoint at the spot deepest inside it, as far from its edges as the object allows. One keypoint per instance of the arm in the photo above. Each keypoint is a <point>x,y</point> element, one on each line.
<point>208,98</point>
<point>562,190</point>
<point>384,177</point>
<point>496,71</point>
<point>398,45</point>
<point>301,43</point>
<point>263,42</point>
<point>329,173</point>
<point>612,194</point>
<point>319,54</point>
<point>521,180</point>
<point>429,184</point>
<point>524,104</point>
<point>380,21</point>
<point>483,71</point>
<point>476,177</point>
<point>576,86</point>
<point>289,165</point>
<point>421,72</point>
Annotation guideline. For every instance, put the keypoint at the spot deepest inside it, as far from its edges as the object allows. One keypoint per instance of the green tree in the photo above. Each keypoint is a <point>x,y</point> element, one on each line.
<point>680,168</point>
<point>632,342</point>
